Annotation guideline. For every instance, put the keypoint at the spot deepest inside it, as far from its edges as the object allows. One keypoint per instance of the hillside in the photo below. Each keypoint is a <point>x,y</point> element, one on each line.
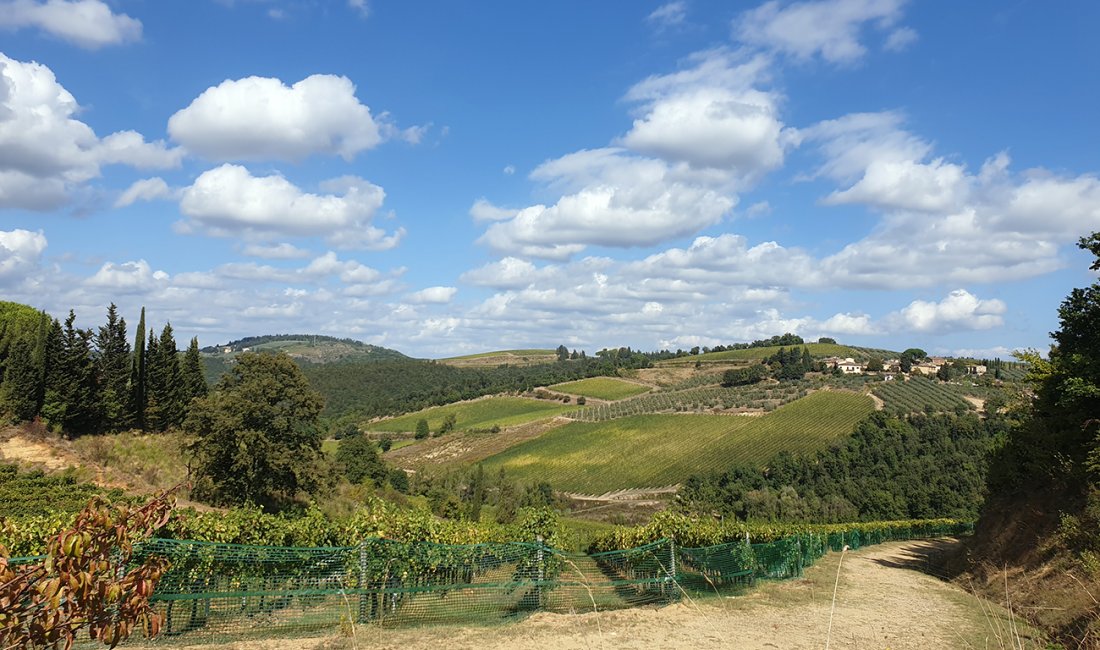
<point>655,450</point>
<point>311,348</point>
<point>818,350</point>
<point>474,414</point>
<point>502,357</point>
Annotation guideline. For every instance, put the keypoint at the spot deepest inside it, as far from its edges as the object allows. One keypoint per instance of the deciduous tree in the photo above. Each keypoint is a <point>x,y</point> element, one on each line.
<point>257,434</point>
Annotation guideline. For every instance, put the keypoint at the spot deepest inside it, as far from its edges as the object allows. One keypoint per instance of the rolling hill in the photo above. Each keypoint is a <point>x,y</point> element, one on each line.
<point>303,348</point>
<point>312,348</point>
<point>662,449</point>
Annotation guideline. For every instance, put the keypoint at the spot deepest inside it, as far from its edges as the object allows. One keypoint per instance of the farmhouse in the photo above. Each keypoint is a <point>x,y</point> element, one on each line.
<point>850,367</point>
<point>925,368</point>
<point>976,369</point>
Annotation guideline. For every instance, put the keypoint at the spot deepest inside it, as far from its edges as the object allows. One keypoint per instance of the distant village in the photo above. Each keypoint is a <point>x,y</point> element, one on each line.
<point>891,368</point>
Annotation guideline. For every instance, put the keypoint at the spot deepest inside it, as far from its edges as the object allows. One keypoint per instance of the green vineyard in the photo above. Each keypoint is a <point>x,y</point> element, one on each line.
<point>698,400</point>
<point>655,450</point>
<point>918,395</point>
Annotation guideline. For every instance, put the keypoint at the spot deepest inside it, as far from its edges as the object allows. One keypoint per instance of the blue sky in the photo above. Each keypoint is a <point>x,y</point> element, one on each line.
<point>444,178</point>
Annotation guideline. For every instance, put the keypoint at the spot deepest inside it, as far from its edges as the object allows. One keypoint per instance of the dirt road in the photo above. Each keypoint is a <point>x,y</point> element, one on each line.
<point>883,601</point>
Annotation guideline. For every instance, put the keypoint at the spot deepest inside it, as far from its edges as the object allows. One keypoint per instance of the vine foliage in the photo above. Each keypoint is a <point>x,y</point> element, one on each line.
<point>86,580</point>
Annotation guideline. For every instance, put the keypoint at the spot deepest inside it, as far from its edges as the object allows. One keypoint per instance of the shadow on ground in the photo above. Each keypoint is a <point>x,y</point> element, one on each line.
<point>934,557</point>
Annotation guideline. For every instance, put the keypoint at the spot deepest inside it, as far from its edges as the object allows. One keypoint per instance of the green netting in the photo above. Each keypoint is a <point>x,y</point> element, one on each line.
<point>216,591</point>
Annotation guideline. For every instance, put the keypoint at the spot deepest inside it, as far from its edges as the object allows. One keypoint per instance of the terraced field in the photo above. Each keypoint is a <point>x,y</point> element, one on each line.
<point>477,414</point>
<point>653,450</point>
<point>766,397</point>
<point>606,388</point>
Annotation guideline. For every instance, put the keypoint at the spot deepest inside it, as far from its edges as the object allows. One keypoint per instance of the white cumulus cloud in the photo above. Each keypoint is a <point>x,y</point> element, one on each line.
<point>483,210</point>
<point>942,223</point>
<point>283,251</point>
<point>827,28</point>
<point>127,277</point>
<point>622,201</point>
<point>711,115</point>
<point>262,118</point>
<point>433,295</point>
<point>87,23</point>
<point>146,189</point>
<point>45,152</point>
<point>229,200</point>
<point>20,253</point>
<point>960,310</point>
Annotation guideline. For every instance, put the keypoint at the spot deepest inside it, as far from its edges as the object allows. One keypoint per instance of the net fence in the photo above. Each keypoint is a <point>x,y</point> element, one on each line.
<point>214,592</point>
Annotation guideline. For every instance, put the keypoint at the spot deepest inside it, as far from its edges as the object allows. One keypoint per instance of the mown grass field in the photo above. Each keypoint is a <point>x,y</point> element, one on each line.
<point>478,414</point>
<point>607,388</point>
<point>655,450</point>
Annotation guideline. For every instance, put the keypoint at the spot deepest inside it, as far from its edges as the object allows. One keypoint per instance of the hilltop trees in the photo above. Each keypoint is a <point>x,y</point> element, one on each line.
<point>257,434</point>
<point>911,356</point>
<point>791,363</point>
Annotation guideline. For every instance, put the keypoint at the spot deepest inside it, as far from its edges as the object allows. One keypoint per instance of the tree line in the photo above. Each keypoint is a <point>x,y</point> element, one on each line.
<point>86,381</point>
<point>918,467</point>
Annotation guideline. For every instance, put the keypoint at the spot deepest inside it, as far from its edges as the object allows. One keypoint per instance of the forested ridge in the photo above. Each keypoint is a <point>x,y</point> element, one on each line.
<point>373,389</point>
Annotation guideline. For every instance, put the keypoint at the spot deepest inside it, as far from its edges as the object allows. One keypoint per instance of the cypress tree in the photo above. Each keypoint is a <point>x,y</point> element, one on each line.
<point>137,376</point>
<point>39,358</point>
<point>165,380</point>
<point>194,381</point>
<point>77,381</point>
<point>53,376</point>
<point>114,369</point>
<point>18,391</point>
<point>152,374</point>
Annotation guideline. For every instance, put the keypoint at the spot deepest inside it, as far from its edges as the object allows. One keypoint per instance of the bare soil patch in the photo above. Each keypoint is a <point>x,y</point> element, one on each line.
<point>470,447</point>
<point>19,449</point>
<point>978,402</point>
<point>882,602</point>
